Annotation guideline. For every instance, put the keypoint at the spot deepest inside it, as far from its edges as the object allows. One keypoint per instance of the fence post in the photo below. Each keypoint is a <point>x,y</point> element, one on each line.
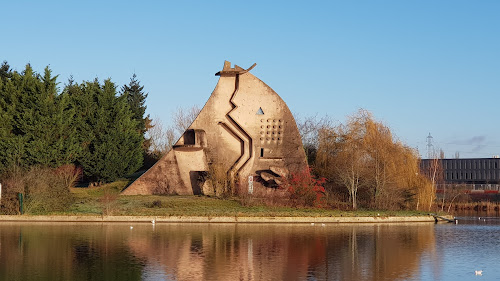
<point>21,203</point>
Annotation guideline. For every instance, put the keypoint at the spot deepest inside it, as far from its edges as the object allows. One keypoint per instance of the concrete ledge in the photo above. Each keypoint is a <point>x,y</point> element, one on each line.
<point>177,219</point>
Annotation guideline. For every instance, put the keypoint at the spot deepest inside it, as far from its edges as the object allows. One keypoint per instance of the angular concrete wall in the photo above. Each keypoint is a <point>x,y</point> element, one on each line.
<point>245,127</point>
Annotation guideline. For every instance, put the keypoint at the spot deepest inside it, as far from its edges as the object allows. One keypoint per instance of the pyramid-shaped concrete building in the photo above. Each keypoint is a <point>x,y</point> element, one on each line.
<point>244,127</point>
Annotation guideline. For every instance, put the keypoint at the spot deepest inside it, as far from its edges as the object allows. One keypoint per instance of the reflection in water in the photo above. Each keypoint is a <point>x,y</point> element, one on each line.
<point>64,252</point>
<point>31,251</point>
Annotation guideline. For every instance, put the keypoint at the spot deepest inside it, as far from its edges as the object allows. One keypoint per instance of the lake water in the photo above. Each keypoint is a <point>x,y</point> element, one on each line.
<point>134,251</point>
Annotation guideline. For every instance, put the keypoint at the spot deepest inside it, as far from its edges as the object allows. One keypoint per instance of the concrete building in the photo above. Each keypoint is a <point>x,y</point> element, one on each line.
<point>245,128</point>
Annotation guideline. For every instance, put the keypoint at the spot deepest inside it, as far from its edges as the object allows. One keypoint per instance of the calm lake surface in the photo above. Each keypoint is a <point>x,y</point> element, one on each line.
<point>134,251</point>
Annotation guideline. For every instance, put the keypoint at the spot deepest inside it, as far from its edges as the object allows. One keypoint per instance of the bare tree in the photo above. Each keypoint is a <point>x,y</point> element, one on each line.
<point>341,156</point>
<point>364,154</point>
<point>383,153</point>
<point>309,128</point>
<point>434,172</point>
<point>162,138</point>
<point>393,165</point>
<point>183,118</point>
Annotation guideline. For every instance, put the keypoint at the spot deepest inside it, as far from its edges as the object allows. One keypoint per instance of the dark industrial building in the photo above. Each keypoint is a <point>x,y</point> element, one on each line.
<point>476,173</point>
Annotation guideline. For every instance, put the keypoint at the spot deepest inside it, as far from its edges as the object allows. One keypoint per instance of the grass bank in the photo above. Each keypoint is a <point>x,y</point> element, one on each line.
<point>105,200</point>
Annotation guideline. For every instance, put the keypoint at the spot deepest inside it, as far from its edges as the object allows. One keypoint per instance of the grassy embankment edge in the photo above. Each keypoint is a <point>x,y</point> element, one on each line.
<point>105,204</point>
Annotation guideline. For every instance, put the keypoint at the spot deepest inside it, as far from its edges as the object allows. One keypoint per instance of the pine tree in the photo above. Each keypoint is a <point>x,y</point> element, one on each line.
<point>42,121</point>
<point>5,71</point>
<point>7,138</point>
<point>112,146</point>
<point>134,95</point>
<point>34,120</point>
<point>86,124</point>
<point>24,100</point>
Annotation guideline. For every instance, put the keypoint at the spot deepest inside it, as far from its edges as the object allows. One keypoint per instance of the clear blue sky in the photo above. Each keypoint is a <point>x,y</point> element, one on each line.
<point>419,66</point>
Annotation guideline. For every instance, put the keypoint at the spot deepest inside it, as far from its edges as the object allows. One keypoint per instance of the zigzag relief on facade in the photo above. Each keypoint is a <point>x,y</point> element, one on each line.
<point>244,126</point>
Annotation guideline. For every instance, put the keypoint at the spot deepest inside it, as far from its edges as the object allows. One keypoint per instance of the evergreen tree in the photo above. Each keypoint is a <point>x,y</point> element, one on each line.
<point>34,121</point>
<point>134,94</point>
<point>81,102</point>
<point>7,138</point>
<point>112,146</point>
<point>5,71</point>
<point>86,124</point>
<point>42,121</point>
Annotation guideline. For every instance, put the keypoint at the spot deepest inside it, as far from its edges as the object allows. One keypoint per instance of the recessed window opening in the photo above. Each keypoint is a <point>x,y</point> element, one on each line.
<point>261,152</point>
<point>189,137</point>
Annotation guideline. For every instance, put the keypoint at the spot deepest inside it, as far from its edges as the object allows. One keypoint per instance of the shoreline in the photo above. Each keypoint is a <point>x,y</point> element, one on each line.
<point>225,219</point>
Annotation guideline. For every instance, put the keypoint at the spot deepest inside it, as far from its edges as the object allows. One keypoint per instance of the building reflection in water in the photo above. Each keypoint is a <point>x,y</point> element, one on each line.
<point>285,252</point>
<point>213,251</point>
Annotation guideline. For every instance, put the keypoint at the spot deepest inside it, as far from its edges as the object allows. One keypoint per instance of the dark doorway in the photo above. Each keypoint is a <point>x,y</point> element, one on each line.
<point>197,179</point>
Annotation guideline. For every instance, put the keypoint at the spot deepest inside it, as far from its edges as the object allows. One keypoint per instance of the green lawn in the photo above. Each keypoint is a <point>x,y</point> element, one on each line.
<point>106,200</point>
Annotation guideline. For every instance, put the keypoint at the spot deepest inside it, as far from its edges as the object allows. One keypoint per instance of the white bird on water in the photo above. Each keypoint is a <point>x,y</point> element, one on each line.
<point>131,227</point>
<point>312,223</point>
<point>479,272</point>
<point>322,224</point>
<point>153,221</point>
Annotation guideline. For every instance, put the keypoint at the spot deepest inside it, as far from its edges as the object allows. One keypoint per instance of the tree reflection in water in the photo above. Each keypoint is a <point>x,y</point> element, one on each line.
<point>212,251</point>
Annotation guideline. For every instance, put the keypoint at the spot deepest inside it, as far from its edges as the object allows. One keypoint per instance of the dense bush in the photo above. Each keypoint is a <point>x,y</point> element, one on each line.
<point>305,189</point>
<point>45,190</point>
